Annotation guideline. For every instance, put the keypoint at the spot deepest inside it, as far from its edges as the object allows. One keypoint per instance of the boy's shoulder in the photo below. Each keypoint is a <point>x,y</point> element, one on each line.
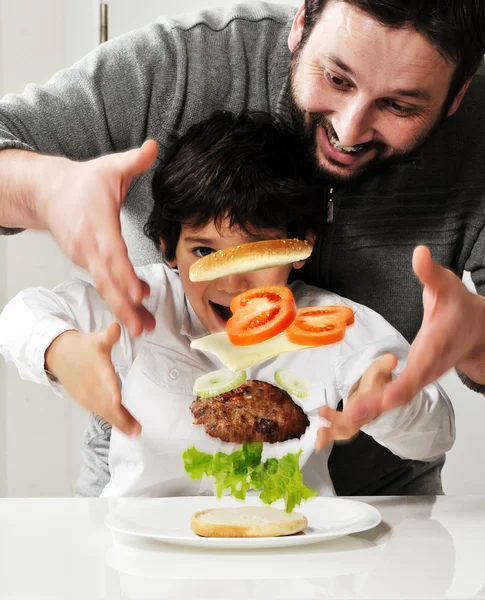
<point>369,324</point>
<point>156,273</point>
<point>310,295</point>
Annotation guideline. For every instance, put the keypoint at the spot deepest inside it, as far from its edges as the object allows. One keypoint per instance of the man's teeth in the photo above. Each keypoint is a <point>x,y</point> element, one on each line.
<point>334,141</point>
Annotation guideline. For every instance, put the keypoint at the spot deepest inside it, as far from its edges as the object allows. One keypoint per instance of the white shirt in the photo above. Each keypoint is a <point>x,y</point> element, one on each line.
<point>157,372</point>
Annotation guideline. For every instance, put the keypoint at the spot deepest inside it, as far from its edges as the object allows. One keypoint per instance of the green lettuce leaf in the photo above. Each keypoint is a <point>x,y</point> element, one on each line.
<point>243,470</point>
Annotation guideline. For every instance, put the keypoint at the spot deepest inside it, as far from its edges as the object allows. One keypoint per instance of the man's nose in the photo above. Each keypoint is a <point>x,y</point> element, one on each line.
<point>233,284</point>
<point>353,123</point>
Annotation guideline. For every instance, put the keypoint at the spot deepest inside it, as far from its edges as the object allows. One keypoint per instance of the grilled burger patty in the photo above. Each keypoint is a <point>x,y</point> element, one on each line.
<point>256,411</point>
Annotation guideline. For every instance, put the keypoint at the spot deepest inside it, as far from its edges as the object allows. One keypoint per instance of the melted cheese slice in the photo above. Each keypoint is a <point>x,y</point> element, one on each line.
<point>241,357</point>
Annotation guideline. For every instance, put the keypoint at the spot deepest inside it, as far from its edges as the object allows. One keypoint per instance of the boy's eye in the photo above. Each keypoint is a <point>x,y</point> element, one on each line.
<point>202,251</point>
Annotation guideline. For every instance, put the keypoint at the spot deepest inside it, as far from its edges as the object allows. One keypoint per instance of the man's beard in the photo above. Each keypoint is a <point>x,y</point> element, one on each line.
<point>307,130</point>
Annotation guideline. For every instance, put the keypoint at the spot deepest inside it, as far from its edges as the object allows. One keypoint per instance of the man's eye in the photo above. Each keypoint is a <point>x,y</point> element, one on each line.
<point>399,108</point>
<point>202,251</point>
<point>337,82</point>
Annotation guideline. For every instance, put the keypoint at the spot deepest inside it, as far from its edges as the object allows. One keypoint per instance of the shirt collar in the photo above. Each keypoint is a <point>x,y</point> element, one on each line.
<point>191,325</point>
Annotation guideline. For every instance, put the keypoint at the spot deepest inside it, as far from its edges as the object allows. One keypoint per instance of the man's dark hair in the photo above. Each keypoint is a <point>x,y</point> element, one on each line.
<point>250,168</point>
<point>456,28</point>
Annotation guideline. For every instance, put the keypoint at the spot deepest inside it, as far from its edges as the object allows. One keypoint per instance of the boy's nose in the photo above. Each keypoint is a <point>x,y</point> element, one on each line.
<point>232,284</point>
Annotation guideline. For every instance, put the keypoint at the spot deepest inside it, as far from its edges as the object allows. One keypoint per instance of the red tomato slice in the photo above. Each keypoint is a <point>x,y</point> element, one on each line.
<point>339,312</point>
<point>320,325</point>
<point>259,314</point>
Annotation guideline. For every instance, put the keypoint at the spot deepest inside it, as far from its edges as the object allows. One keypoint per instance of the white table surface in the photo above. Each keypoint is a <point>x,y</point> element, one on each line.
<point>425,547</point>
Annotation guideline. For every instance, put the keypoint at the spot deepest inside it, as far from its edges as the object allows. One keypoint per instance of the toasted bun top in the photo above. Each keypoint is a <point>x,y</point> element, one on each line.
<point>249,257</point>
<point>247,521</point>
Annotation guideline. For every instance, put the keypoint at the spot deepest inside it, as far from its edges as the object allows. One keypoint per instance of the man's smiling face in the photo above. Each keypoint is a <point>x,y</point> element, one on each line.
<point>363,92</point>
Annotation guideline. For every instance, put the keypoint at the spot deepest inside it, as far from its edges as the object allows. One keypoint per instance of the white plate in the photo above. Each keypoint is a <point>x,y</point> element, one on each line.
<point>168,520</point>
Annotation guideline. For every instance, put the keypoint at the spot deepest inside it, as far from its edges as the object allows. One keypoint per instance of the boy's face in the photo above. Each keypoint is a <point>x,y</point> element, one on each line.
<point>211,299</point>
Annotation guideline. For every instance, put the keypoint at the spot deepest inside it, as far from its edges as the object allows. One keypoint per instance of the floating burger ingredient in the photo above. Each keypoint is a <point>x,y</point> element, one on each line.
<point>290,382</point>
<point>243,469</point>
<point>247,521</point>
<point>260,314</point>
<point>264,320</point>
<point>253,256</point>
<point>319,325</point>
<point>250,420</point>
<point>256,411</point>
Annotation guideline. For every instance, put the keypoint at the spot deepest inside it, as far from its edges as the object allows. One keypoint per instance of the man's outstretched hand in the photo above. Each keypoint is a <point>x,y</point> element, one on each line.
<point>452,334</point>
<point>82,211</point>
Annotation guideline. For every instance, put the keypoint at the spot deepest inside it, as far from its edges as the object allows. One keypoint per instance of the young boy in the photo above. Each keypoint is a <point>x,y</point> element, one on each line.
<point>227,181</point>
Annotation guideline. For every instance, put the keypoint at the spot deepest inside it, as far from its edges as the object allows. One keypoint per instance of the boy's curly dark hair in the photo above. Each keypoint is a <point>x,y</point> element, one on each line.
<point>250,168</point>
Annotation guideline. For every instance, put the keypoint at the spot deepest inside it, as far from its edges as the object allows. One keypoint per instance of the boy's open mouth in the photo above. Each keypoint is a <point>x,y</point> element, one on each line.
<point>224,312</point>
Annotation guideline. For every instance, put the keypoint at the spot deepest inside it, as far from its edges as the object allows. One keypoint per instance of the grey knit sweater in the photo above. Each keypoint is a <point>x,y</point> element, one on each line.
<point>157,81</point>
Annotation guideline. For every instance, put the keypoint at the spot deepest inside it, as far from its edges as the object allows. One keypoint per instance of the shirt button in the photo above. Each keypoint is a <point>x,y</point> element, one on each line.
<point>174,373</point>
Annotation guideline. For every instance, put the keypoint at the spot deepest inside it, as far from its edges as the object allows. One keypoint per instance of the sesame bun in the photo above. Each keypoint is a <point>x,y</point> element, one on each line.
<point>249,257</point>
<point>247,521</point>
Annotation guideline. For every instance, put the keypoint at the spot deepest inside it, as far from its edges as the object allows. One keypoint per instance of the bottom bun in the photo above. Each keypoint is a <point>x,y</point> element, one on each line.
<point>247,521</point>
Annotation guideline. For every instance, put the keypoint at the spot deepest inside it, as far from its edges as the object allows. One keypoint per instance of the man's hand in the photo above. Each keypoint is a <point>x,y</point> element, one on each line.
<point>452,334</point>
<point>369,387</point>
<point>81,208</point>
<point>82,364</point>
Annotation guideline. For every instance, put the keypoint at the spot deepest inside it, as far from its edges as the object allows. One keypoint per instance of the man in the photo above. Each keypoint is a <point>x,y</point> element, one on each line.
<point>382,91</point>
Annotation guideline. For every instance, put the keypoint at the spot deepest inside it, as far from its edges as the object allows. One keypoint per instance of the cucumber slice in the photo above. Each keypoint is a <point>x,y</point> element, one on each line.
<point>293,384</point>
<point>218,382</point>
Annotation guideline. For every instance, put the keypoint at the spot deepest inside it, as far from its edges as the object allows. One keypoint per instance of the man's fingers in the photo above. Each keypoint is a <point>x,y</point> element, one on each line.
<point>415,376</point>
<point>429,272</point>
<point>421,369</point>
<point>134,316</point>
<point>120,305</point>
<point>116,280</point>
<point>111,256</point>
<point>400,391</point>
<point>146,318</point>
<point>139,160</point>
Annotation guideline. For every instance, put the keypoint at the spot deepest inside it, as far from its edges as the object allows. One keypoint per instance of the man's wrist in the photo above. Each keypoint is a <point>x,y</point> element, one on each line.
<point>27,184</point>
<point>45,184</point>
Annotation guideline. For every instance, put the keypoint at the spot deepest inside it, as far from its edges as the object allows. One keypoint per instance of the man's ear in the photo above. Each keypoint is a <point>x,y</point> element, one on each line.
<point>171,263</point>
<point>310,238</point>
<point>297,28</point>
<point>458,98</point>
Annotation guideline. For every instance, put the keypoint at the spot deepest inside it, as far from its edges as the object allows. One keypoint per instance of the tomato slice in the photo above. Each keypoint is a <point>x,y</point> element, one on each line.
<point>320,325</point>
<point>259,314</point>
<point>340,312</point>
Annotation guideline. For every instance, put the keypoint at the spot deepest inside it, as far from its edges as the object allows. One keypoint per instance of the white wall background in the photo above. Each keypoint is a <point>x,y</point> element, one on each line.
<point>40,435</point>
